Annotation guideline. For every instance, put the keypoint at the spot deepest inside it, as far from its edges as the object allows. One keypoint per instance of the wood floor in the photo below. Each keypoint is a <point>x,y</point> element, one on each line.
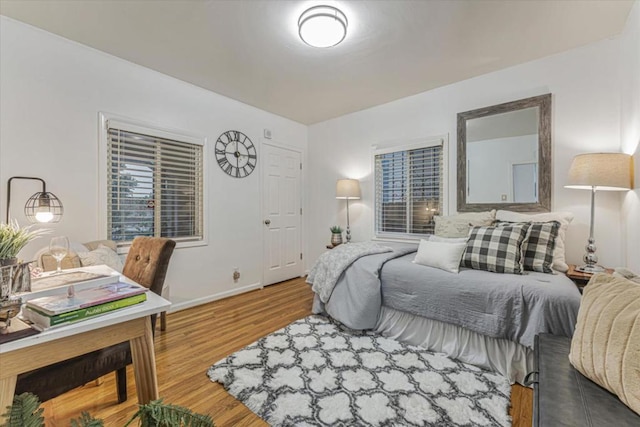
<point>194,340</point>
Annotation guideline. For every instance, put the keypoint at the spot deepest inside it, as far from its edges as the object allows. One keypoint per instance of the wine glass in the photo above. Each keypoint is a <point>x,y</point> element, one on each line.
<point>58,248</point>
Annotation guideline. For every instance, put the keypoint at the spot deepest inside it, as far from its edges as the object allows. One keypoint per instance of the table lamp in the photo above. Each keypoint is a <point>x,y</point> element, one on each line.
<point>599,172</point>
<point>43,206</point>
<point>348,189</point>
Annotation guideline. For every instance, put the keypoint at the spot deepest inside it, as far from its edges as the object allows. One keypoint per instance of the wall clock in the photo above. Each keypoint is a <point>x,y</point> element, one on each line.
<point>236,154</point>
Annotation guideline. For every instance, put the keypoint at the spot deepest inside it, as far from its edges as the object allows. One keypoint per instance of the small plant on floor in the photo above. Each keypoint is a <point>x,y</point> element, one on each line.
<point>26,412</point>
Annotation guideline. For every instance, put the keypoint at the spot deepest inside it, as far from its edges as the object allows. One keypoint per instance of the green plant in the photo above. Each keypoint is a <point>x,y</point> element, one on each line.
<point>26,412</point>
<point>13,238</point>
<point>336,229</point>
<point>86,420</point>
<point>158,414</point>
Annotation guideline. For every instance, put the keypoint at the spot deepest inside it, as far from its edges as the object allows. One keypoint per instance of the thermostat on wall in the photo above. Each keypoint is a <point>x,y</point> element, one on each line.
<point>267,134</point>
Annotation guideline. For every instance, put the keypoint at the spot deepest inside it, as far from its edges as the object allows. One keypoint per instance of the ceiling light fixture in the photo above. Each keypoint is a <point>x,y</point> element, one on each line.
<point>322,26</point>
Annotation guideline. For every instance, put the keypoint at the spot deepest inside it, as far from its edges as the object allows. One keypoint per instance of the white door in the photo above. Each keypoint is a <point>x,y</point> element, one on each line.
<point>525,183</point>
<point>281,214</point>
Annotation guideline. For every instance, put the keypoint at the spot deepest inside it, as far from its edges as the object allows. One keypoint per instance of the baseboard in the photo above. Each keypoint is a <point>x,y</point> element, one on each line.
<point>209,298</point>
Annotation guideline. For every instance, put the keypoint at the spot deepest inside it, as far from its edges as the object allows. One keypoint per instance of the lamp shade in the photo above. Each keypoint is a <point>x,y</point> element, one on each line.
<point>604,171</point>
<point>348,189</point>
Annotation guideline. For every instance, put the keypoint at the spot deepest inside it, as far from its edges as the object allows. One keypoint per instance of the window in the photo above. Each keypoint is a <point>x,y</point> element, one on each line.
<point>154,184</point>
<point>409,186</point>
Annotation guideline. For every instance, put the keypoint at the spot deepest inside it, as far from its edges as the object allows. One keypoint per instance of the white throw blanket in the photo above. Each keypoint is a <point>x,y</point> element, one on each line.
<point>326,271</point>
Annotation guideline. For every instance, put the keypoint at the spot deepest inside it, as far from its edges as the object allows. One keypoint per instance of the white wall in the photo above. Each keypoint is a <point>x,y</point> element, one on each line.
<point>51,92</point>
<point>586,118</point>
<point>630,133</point>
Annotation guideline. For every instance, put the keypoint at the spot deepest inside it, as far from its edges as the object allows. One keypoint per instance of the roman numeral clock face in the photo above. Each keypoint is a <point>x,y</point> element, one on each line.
<point>236,154</point>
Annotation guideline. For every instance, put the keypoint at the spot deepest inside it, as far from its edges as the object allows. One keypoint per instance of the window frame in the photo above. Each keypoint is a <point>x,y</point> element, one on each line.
<point>153,130</point>
<point>406,145</point>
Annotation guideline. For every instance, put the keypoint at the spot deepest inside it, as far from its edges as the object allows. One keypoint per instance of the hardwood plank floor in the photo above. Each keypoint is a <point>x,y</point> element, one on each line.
<point>194,340</point>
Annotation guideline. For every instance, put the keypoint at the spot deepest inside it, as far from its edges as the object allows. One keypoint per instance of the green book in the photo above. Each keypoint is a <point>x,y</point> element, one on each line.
<point>45,321</point>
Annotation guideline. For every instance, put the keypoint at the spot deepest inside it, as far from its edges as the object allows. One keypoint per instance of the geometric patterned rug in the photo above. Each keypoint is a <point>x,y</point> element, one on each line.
<point>316,372</point>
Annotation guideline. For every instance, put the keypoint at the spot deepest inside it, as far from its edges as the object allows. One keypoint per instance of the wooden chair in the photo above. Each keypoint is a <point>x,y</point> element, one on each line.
<point>146,264</point>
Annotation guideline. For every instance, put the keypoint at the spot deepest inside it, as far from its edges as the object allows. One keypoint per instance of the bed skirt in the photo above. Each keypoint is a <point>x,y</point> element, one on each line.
<point>506,357</point>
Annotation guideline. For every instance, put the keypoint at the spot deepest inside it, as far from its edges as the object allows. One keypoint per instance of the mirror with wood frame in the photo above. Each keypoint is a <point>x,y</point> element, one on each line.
<point>504,157</point>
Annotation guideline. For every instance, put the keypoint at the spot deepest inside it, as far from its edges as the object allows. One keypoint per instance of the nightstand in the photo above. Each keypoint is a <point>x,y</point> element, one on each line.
<point>579,278</point>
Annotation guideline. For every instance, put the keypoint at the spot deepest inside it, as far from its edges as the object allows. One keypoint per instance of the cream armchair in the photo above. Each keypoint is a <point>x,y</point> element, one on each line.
<point>74,259</point>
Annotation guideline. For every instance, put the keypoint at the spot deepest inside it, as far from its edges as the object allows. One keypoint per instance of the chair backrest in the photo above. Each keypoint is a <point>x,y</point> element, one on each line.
<point>148,260</point>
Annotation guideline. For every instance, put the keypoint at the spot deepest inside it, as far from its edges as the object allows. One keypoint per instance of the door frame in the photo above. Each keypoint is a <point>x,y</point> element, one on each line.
<point>301,152</point>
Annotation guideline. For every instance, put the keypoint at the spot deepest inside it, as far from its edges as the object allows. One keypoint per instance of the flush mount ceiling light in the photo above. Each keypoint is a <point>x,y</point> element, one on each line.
<point>322,26</point>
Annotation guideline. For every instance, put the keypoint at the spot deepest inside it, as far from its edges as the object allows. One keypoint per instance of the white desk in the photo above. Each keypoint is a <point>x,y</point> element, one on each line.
<point>58,344</point>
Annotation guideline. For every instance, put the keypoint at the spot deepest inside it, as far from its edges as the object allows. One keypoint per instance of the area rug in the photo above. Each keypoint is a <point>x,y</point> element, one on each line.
<point>316,372</point>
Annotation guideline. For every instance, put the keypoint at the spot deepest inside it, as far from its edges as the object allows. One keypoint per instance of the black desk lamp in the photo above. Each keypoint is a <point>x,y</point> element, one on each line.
<point>43,206</point>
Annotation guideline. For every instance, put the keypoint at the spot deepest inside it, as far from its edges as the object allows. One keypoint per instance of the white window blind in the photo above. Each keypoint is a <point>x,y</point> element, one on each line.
<point>409,189</point>
<point>155,184</point>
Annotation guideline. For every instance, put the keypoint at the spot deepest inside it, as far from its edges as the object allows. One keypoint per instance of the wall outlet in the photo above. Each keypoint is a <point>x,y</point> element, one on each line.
<point>503,197</point>
<point>236,274</point>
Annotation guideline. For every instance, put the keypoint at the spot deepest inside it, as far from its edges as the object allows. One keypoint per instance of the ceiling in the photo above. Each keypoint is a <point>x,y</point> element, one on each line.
<point>250,50</point>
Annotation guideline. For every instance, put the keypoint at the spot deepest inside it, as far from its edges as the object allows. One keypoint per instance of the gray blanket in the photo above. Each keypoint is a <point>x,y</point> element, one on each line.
<point>329,267</point>
<point>356,298</point>
<point>514,307</point>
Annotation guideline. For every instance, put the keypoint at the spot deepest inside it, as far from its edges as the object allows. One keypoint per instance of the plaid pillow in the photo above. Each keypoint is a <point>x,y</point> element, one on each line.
<point>496,249</point>
<point>538,245</point>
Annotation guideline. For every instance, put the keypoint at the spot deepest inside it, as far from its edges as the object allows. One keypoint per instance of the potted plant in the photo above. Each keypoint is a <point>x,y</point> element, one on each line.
<point>26,412</point>
<point>336,235</point>
<point>13,238</point>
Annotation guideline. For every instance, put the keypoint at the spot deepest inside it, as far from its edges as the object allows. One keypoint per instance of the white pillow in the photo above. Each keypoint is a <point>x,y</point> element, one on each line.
<point>102,255</point>
<point>434,238</point>
<point>564,218</point>
<point>77,247</point>
<point>445,256</point>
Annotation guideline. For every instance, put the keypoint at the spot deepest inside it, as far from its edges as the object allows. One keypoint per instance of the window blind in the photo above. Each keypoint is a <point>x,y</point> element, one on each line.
<point>409,190</point>
<point>155,186</point>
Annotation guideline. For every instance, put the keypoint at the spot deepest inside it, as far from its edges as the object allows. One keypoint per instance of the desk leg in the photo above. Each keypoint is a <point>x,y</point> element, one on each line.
<point>7,389</point>
<point>144,365</point>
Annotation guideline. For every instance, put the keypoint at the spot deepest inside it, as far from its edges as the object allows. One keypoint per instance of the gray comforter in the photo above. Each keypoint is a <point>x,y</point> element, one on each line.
<point>514,307</point>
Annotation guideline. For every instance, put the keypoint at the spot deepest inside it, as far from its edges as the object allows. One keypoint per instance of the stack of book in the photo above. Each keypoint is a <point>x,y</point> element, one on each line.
<point>73,306</point>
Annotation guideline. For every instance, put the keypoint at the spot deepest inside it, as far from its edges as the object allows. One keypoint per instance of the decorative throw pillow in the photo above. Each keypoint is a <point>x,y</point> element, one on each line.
<point>434,238</point>
<point>459,225</point>
<point>445,256</point>
<point>606,343</point>
<point>102,255</point>
<point>538,245</point>
<point>564,218</point>
<point>496,249</point>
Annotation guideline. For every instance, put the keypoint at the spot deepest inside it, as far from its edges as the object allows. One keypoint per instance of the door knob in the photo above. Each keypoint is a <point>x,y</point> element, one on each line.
<point>267,221</point>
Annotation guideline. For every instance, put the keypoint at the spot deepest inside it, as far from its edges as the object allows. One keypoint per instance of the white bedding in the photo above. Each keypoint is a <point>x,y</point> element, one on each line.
<point>506,357</point>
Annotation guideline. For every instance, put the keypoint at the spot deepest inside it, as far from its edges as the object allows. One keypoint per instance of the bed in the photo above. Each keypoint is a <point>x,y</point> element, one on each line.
<point>479,317</point>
